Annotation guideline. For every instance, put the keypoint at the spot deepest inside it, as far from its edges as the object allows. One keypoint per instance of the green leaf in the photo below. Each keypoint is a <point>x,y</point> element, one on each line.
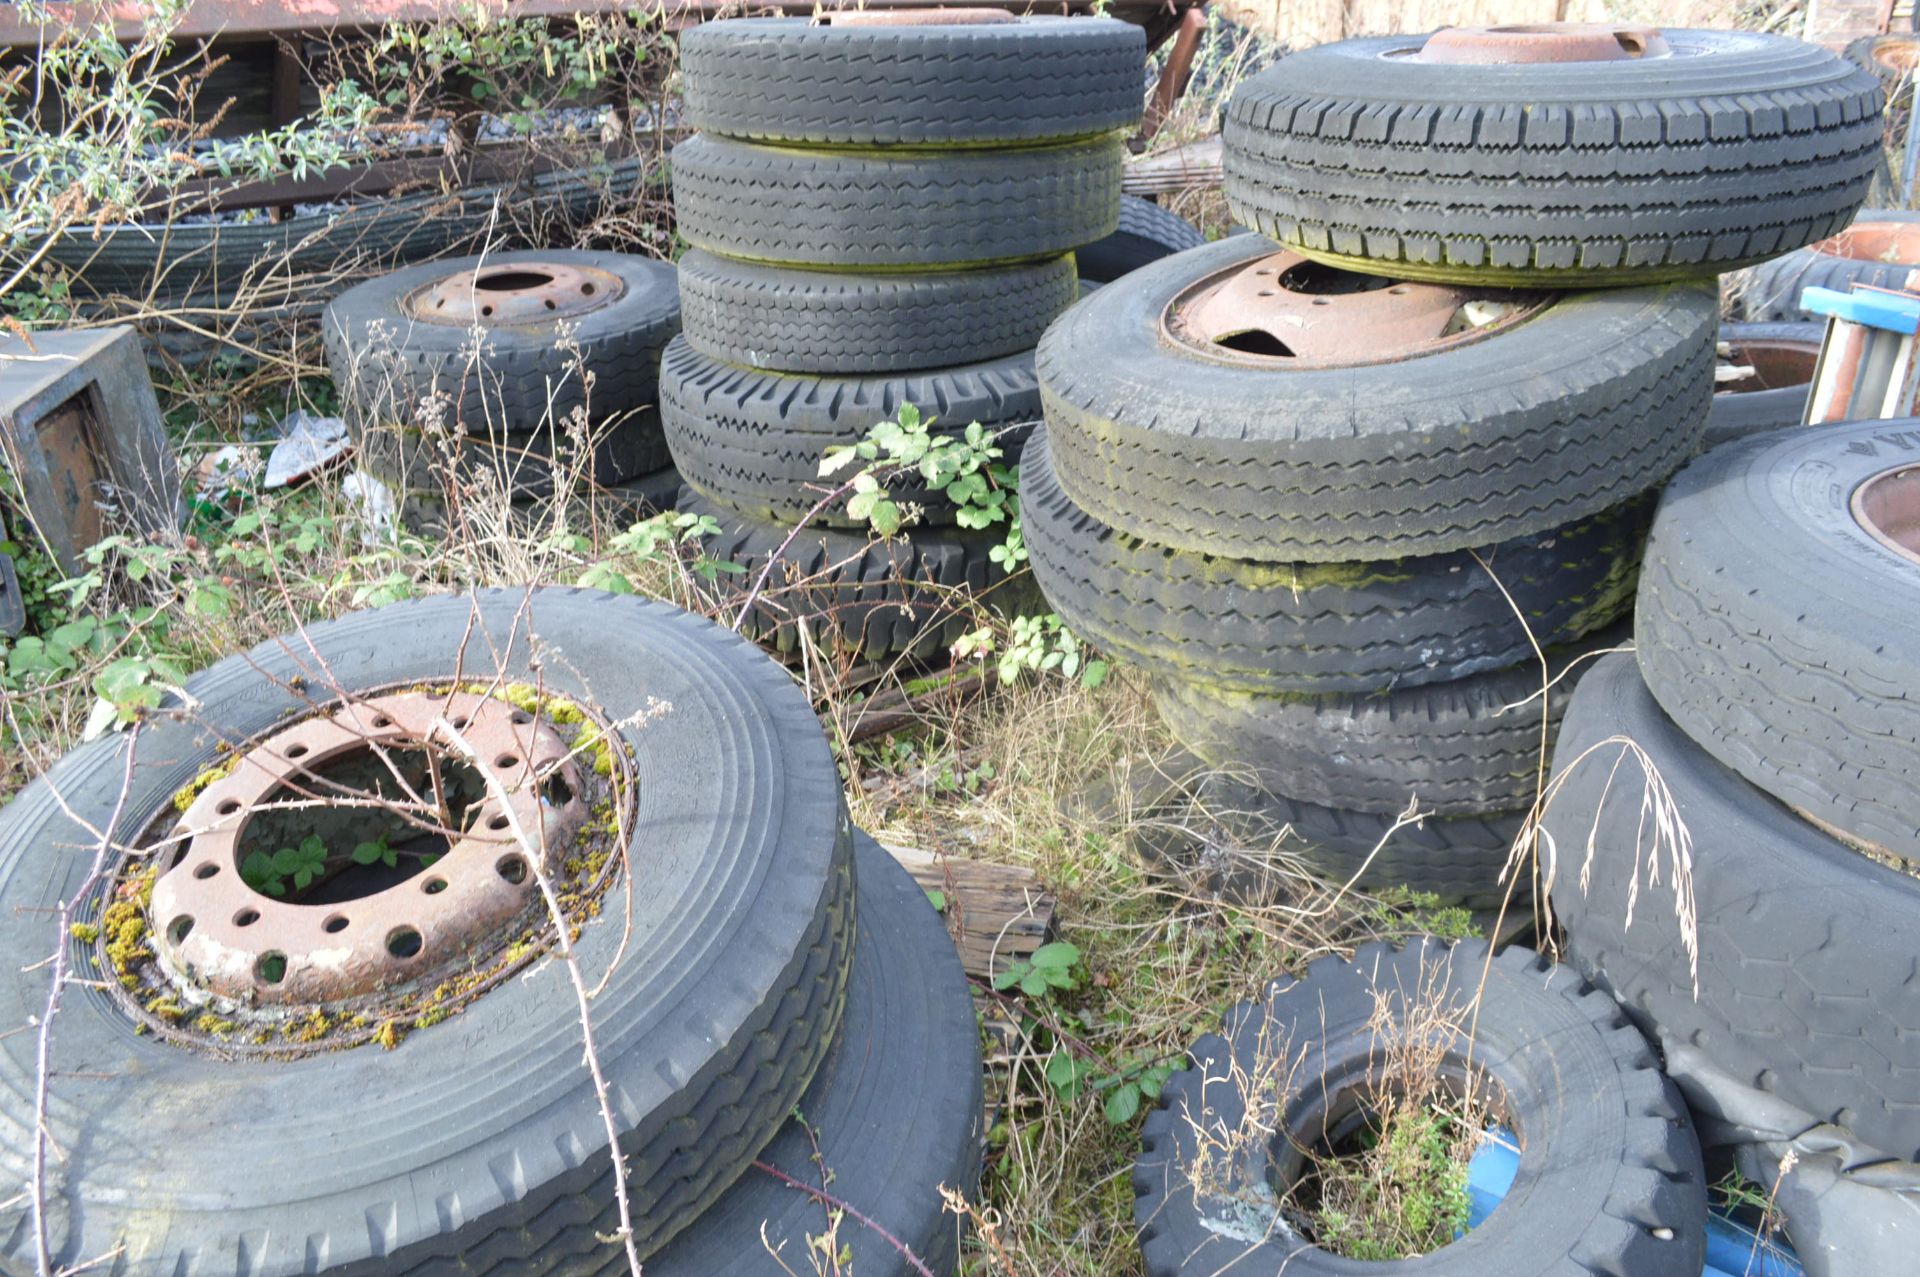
<point>886,518</point>
<point>938,899</point>
<point>1002,981</point>
<point>861,505</point>
<point>285,861</point>
<point>1123,1104</point>
<point>257,869</point>
<point>1033,983</point>
<point>1059,955</point>
<point>368,852</point>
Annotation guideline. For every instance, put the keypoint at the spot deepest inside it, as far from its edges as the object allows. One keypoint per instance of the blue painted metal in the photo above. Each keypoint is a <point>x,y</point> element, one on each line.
<point>1889,312</point>
<point>1732,1249</point>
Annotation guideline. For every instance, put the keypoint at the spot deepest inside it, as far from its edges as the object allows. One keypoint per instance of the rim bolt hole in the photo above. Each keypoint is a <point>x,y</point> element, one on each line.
<point>512,868</point>
<point>297,751</point>
<point>1322,301</point>
<point>271,967</point>
<point>335,924</point>
<point>180,928</point>
<point>207,870</point>
<point>506,762</point>
<point>246,917</point>
<point>404,942</point>
<point>498,823</point>
<point>434,886</point>
<point>228,807</point>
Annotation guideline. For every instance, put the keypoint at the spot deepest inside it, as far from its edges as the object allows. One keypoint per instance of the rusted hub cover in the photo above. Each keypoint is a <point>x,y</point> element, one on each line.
<point>515,293</point>
<point>1546,42</point>
<point>1888,507</point>
<point>915,17</point>
<point>1775,362</point>
<point>1287,310</point>
<point>1895,243</point>
<point>215,932</point>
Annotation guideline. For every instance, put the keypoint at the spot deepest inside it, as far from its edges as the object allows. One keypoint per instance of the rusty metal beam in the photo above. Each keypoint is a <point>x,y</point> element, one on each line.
<point>210,19</point>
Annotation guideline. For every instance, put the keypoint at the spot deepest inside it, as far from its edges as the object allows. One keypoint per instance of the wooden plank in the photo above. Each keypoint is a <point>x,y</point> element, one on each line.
<point>995,913</point>
<point>1197,164</point>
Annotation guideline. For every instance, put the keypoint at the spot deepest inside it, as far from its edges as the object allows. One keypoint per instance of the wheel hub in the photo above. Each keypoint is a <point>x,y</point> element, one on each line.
<point>1290,311</point>
<point>509,293</point>
<point>213,930</point>
<point>1887,506</point>
<point>1890,242</point>
<point>1769,363</point>
<point>1543,43</point>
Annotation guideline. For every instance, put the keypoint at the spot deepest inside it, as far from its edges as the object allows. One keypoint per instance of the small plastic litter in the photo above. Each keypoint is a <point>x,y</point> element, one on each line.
<point>309,444</point>
<point>375,504</point>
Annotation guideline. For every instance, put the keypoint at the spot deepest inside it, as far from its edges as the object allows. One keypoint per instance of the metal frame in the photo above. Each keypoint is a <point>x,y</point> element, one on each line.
<point>102,375</point>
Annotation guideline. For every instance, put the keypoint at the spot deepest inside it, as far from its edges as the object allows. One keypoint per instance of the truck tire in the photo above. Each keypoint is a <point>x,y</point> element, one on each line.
<point>1736,148</point>
<point>804,82</point>
<point>1147,233</point>
<point>1323,628</point>
<point>1595,398</point>
<point>1610,1179</point>
<point>894,208</point>
<point>1879,250</point>
<point>1798,933</point>
<point>832,322</point>
<point>1782,356</point>
<point>1783,634</point>
<point>479,1137</point>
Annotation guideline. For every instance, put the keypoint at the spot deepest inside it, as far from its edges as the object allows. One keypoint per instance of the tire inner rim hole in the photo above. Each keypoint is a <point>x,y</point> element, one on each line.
<point>1767,364</point>
<point>1887,507</point>
<point>298,848</point>
<point>1375,1168</point>
<point>512,281</point>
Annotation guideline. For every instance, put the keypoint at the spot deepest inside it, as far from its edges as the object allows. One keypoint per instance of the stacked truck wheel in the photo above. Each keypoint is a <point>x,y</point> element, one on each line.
<point>1769,725</point>
<point>1354,499</point>
<point>512,376</point>
<point>882,214</point>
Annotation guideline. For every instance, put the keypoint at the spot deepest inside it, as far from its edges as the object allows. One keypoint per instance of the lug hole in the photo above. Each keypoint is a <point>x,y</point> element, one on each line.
<point>404,942</point>
<point>434,886</point>
<point>207,870</point>
<point>246,917</point>
<point>335,924</point>
<point>180,928</point>
<point>512,868</point>
<point>271,968</point>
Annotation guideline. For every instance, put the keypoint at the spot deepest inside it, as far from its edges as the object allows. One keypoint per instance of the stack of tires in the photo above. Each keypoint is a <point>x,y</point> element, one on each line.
<point>882,211</point>
<point>506,379</point>
<point>1355,497</point>
<point>773,962</point>
<point>1761,754</point>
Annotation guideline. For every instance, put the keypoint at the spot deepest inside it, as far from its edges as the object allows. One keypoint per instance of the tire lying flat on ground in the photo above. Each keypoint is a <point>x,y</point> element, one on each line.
<point>839,323</point>
<point>1323,628</point>
<point>857,83</point>
<point>1804,994</point>
<point>1879,250</point>
<point>1780,632</point>
<point>1609,1179</point>
<point>1774,395</point>
<point>1731,149</point>
<point>895,1109</point>
<point>753,441</point>
<point>1461,748</point>
<point>1147,233</point>
<point>894,208</point>
<point>915,593</point>
<point>1594,398</point>
<point>389,360</point>
<point>723,999</point>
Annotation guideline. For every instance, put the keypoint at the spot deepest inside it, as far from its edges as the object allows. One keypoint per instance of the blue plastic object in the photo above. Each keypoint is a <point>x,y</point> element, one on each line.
<point>1891,312</point>
<point>1732,1249</point>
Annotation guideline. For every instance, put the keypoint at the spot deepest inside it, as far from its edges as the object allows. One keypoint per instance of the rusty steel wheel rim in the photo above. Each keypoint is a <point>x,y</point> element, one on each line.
<point>1887,508</point>
<point>1543,43</point>
<point>519,292</point>
<point>254,976</point>
<point>1777,363</point>
<point>958,16</point>
<point>1289,311</point>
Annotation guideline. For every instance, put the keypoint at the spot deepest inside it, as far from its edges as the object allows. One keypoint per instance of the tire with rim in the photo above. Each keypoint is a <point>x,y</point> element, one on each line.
<point>1462,748</point>
<point>388,363</point>
<point>1324,628</point>
<point>894,208</point>
<point>1781,631</point>
<point>753,441</point>
<point>1594,398</point>
<point>785,320</point>
<point>1774,394</point>
<point>894,1111</point>
<point>824,82</point>
<point>914,593</point>
<point>1890,58</point>
<point>1733,149</point>
<point>1147,233</point>
<point>1803,995</point>
<point>1609,1180</point>
<point>476,1141</point>
<point>1879,250</point>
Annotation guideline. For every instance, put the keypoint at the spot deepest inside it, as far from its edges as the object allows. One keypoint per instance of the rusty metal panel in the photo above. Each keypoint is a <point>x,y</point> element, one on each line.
<point>81,433</point>
<point>13,610</point>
